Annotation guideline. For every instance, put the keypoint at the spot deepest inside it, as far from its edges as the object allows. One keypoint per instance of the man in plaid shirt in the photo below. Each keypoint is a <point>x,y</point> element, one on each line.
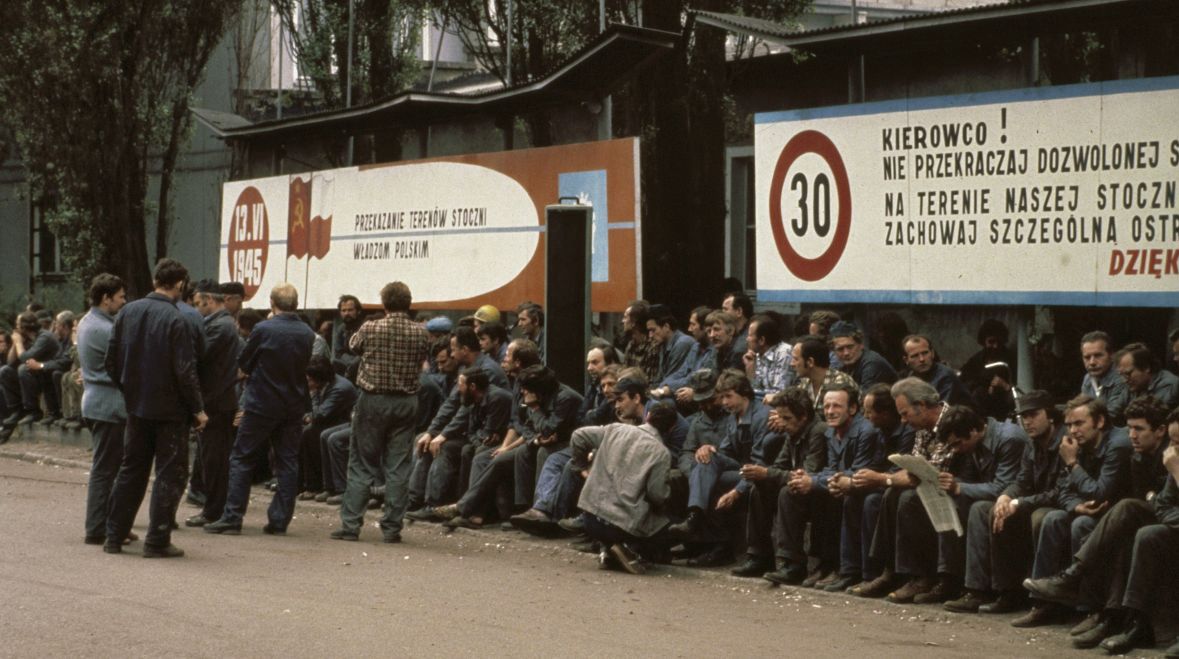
<point>391,351</point>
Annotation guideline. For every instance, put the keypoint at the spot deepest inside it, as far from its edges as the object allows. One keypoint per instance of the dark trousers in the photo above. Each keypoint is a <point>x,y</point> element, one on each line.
<point>145,441</point>
<point>1061,536</point>
<point>951,547</point>
<point>1151,566</point>
<point>107,442</point>
<point>608,534</point>
<point>916,541</point>
<point>333,457</point>
<point>215,443</point>
<point>310,454</point>
<point>794,511</point>
<point>487,474</point>
<point>884,537</point>
<point>1000,561</point>
<point>1108,551</point>
<point>435,478</point>
<point>196,476</point>
<point>759,521</point>
<point>382,442</point>
<point>255,437</point>
<point>51,387</point>
<point>860,510</point>
<point>22,387</point>
<point>568,492</point>
<point>525,469</point>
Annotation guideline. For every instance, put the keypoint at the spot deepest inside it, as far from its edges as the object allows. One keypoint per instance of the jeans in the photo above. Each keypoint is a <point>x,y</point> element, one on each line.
<point>860,510</point>
<point>22,387</point>
<point>704,478</point>
<point>382,430</point>
<point>255,436</point>
<point>145,441</point>
<point>916,541</point>
<point>1000,561</point>
<point>548,484</point>
<point>333,457</point>
<point>108,455</point>
<point>524,469</point>
<point>608,534</point>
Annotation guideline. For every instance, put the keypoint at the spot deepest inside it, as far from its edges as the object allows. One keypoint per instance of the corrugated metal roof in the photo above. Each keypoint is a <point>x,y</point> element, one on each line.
<point>829,36</point>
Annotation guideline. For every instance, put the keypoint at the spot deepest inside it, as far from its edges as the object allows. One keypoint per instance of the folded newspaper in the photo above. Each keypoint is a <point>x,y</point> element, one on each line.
<point>939,505</point>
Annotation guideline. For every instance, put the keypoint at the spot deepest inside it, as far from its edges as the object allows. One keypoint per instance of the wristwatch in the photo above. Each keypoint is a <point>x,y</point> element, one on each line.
<point>888,481</point>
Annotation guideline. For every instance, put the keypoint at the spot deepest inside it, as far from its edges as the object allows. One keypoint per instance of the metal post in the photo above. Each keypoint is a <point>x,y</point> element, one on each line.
<point>437,52</point>
<point>1025,375</point>
<point>509,76</point>
<point>348,91</point>
<point>282,37</point>
<point>606,120</point>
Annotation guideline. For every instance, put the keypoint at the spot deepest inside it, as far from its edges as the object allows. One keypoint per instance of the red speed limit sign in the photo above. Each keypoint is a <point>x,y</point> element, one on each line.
<point>812,214</point>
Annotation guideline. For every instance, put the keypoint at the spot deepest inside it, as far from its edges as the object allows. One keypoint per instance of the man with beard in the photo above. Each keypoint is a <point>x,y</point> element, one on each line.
<point>350,320</point>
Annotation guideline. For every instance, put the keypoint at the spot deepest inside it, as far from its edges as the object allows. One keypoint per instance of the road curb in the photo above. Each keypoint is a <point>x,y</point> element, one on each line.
<point>40,458</point>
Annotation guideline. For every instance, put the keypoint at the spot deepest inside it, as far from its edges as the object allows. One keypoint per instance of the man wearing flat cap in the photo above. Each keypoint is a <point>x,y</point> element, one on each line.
<point>218,375</point>
<point>999,534</point>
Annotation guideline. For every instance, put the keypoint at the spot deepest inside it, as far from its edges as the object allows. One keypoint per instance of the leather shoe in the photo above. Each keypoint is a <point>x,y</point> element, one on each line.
<point>1008,601</point>
<point>341,534</point>
<point>968,603</point>
<point>1138,634</point>
<point>322,496</point>
<point>1063,588</point>
<point>307,496</point>
<point>271,529</point>
<point>787,575</point>
<point>95,540</point>
<point>112,547</point>
<point>197,521</point>
<point>947,588</point>
<point>1173,651</point>
<point>1040,615</point>
<point>913,588</point>
<point>572,524</point>
<point>334,500</point>
<point>628,559</point>
<point>462,523</point>
<point>754,566</point>
<point>535,522</point>
<point>1090,621</point>
<point>815,577</point>
<point>831,578</point>
<point>392,538</point>
<point>843,583</point>
<point>423,514</point>
<point>223,528</point>
<point>1105,626</point>
<point>446,512</point>
<point>6,434</point>
<point>170,551</point>
<point>878,587</point>
<point>715,557</point>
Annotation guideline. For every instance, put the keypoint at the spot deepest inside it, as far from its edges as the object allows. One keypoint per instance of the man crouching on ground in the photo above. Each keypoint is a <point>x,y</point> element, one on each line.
<point>626,487</point>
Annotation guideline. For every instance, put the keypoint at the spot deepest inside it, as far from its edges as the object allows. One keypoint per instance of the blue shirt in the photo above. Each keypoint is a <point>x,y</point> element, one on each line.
<point>150,356</point>
<point>101,398</point>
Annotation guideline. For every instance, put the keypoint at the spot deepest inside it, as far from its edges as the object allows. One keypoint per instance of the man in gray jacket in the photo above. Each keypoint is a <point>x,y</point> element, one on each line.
<point>102,402</point>
<point>626,486</point>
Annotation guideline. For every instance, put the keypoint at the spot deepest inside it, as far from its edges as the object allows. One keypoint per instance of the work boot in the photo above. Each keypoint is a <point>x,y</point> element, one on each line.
<point>915,586</point>
<point>818,574</point>
<point>754,566</point>
<point>878,587</point>
<point>1138,634</point>
<point>968,603</point>
<point>1063,588</point>
<point>1042,613</point>
<point>790,574</point>
<point>843,583</point>
<point>686,529</point>
<point>947,588</point>
<point>1008,601</point>
<point>1105,626</point>
<point>1088,623</point>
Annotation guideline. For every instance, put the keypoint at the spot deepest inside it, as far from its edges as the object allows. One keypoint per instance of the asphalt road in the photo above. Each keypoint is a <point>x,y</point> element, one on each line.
<point>486,593</point>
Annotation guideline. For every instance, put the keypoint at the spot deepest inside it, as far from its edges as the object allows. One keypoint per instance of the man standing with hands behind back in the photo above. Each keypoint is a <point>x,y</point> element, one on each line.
<point>151,358</point>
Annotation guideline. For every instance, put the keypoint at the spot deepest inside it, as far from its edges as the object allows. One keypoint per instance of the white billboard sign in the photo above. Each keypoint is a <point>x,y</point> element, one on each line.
<point>1056,195</point>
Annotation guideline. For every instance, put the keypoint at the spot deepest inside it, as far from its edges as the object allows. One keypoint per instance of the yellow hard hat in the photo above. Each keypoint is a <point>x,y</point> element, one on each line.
<point>487,314</point>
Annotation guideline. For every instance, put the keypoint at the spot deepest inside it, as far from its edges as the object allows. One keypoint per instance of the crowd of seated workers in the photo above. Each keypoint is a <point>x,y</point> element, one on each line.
<point>745,438</point>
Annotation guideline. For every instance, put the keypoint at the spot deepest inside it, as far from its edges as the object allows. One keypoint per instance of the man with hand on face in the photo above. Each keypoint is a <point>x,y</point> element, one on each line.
<point>1099,573</point>
<point>596,407</point>
<point>673,345</point>
<point>701,355</point>
<point>21,384</point>
<point>999,534</point>
<point>1095,475</point>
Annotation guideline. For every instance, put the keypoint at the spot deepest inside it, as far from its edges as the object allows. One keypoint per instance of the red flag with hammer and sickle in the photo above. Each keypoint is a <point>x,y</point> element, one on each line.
<point>299,218</point>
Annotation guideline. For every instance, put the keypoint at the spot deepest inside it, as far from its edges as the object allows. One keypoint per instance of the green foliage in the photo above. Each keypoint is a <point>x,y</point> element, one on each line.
<point>385,39</point>
<point>91,89</point>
